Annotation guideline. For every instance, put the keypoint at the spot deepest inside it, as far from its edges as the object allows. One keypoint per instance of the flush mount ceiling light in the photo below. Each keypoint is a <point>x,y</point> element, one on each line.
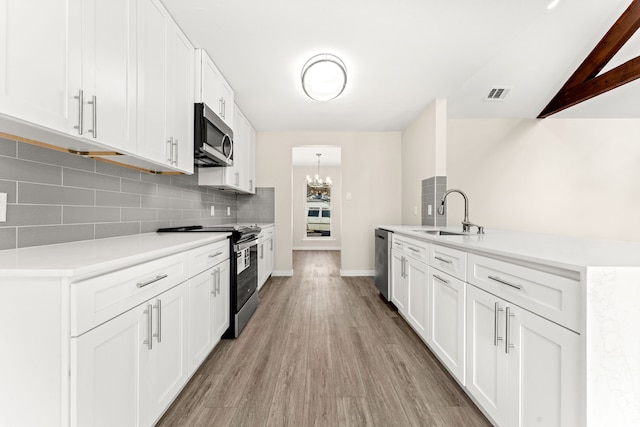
<point>324,77</point>
<point>316,182</point>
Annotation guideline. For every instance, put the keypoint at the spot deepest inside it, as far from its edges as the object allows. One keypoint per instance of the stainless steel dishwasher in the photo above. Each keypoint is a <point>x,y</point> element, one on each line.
<point>383,250</point>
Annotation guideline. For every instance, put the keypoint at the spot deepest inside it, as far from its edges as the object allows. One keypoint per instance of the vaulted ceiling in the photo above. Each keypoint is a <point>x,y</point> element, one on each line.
<point>403,54</point>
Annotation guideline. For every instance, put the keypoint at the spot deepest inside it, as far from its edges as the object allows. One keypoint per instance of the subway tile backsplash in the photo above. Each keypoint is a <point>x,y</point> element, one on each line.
<point>432,191</point>
<point>55,197</point>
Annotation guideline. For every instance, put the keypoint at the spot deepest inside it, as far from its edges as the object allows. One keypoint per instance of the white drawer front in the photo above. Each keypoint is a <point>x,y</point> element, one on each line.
<point>207,256</point>
<point>449,260</point>
<point>548,295</point>
<point>96,300</point>
<point>411,247</point>
<point>266,234</point>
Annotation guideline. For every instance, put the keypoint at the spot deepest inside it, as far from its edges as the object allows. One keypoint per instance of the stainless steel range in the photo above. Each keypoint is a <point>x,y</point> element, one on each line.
<point>244,269</point>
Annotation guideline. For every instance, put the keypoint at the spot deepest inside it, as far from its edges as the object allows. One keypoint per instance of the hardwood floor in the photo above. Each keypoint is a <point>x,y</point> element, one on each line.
<point>322,350</point>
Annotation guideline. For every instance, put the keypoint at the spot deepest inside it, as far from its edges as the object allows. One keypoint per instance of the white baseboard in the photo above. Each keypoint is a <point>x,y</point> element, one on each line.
<point>283,273</point>
<point>345,273</point>
<point>316,248</point>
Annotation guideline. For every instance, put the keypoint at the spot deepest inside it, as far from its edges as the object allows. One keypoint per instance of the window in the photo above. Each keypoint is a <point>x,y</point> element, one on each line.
<point>318,211</point>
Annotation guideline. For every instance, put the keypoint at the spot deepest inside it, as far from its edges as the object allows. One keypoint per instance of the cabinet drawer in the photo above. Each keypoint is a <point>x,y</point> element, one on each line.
<point>266,234</point>
<point>449,260</point>
<point>207,256</point>
<point>101,298</point>
<point>548,295</point>
<point>411,247</point>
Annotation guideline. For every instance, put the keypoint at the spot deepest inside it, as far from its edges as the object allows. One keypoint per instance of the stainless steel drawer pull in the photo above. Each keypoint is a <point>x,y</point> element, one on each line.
<point>158,334</point>
<point>414,249</point>
<point>440,279</point>
<point>150,281</point>
<point>175,152</point>
<point>218,280</point>
<point>80,99</point>
<point>447,261</point>
<point>149,340</point>
<point>496,321</point>
<point>508,346</point>
<point>215,255</point>
<point>499,280</point>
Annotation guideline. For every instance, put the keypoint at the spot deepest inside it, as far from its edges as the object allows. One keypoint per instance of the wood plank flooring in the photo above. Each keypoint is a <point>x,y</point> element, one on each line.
<point>322,350</point>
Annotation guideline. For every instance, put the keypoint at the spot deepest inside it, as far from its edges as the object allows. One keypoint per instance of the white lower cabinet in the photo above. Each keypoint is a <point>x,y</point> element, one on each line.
<point>446,311</point>
<point>399,285</point>
<point>127,371</point>
<point>418,296</point>
<point>522,369</point>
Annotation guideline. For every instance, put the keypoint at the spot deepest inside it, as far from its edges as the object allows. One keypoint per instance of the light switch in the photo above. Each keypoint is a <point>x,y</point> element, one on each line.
<point>228,210</point>
<point>429,210</point>
<point>213,211</point>
<point>415,211</point>
<point>348,196</point>
<point>3,207</point>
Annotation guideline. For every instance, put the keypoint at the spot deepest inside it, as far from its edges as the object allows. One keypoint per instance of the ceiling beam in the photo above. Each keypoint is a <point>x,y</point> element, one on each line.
<point>585,83</point>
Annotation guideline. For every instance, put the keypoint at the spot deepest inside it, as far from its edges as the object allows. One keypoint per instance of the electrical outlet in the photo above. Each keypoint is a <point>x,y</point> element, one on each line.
<point>3,207</point>
<point>213,211</point>
<point>228,210</point>
<point>415,211</point>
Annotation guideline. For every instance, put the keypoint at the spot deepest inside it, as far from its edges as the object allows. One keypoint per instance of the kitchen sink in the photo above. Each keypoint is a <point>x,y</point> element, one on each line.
<point>442,233</point>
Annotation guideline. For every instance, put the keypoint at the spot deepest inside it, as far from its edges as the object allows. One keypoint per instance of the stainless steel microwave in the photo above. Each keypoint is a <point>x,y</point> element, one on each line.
<point>213,139</point>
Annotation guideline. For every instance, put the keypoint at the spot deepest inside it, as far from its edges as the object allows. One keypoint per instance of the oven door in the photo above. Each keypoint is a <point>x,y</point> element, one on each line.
<point>246,254</point>
<point>213,139</point>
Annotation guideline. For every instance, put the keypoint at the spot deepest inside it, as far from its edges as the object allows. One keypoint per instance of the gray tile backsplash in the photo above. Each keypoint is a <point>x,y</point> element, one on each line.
<point>258,208</point>
<point>56,197</point>
<point>432,191</point>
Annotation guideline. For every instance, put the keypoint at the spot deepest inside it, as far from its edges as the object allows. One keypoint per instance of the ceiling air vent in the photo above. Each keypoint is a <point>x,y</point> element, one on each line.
<point>497,94</point>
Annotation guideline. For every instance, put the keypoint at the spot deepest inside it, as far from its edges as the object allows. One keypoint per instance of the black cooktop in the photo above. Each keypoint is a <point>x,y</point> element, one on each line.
<point>238,230</point>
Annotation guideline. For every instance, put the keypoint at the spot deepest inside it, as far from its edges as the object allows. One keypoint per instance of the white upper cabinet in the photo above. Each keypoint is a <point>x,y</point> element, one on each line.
<point>33,34</point>
<point>165,92</point>
<point>108,72</point>
<point>213,89</point>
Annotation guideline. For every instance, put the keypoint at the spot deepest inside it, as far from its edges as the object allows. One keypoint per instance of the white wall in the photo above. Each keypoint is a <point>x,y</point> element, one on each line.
<point>563,176</point>
<point>423,156</point>
<point>299,196</point>
<point>370,173</point>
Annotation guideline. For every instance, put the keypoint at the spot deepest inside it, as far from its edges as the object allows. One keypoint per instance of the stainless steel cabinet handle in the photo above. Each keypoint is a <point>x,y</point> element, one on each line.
<point>499,280</point>
<point>507,345</point>
<point>175,145</point>
<point>447,261</point>
<point>158,334</point>
<point>215,255</point>
<point>213,284</point>
<point>262,251</point>
<point>150,281</point>
<point>218,280</point>
<point>496,320</point>
<point>220,107</point>
<point>414,249</point>
<point>250,185</point>
<point>435,276</point>
<point>170,150</point>
<point>238,179</point>
<point>80,99</point>
<point>149,340</point>
<point>271,241</point>
<point>224,109</point>
<point>94,102</point>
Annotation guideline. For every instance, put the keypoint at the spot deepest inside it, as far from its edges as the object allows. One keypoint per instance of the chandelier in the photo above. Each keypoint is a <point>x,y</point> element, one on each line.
<point>316,182</point>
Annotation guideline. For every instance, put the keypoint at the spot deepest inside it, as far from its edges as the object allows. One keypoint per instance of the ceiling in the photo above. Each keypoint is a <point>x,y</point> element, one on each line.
<point>403,54</point>
<point>307,156</point>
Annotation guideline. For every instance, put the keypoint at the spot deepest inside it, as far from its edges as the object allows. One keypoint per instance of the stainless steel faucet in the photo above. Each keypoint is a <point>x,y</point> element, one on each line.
<point>466,224</point>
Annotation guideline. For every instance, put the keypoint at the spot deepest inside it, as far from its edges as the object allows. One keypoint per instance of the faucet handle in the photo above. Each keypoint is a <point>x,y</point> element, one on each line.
<point>480,229</point>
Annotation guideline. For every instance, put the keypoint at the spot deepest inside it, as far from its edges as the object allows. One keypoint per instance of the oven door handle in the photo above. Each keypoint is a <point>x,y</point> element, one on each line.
<point>244,245</point>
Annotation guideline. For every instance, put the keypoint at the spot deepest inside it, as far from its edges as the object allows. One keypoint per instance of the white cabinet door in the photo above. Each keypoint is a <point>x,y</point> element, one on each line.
<point>543,376</point>
<point>486,373</point>
<point>447,321</point>
<point>251,166</point>
<point>418,295</point>
<point>180,108</point>
<point>109,72</point>
<point>34,63</point>
<point>168,360</point>
<point>221,301</point>
<point>228,106</point>
<point>270,250</point>
<point>152,85</point>
<point>399,286</point>
<point>201,288</point>
<point>109,372</point>
<point>210,83</point>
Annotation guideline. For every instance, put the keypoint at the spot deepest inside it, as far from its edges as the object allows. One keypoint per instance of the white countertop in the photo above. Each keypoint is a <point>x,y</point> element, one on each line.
<point>573,253</point>
<point>78,258</point>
